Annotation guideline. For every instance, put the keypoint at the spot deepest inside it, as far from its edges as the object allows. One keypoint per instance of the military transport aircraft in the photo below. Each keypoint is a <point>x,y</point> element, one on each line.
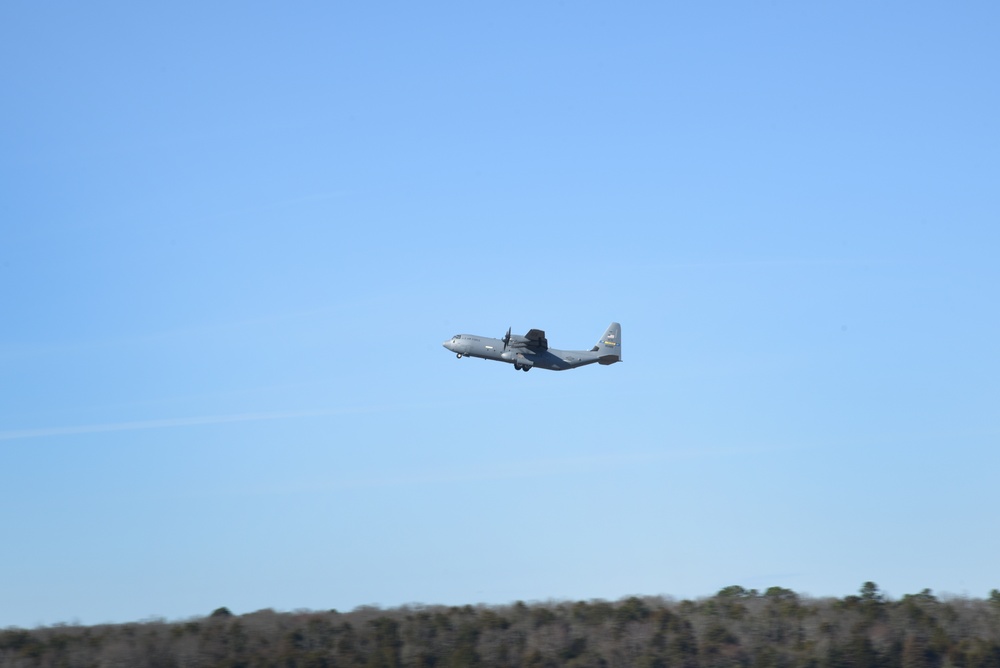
<point>532,350</point>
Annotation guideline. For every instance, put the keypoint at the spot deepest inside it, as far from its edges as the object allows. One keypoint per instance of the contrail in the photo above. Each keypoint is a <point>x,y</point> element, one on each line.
<point>169,422</point>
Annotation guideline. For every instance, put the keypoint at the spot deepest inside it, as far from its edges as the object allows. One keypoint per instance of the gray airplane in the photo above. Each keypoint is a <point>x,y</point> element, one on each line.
<point>532,350</point>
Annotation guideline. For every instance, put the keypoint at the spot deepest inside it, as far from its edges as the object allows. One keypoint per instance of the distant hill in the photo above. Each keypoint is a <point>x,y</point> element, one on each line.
<point>735,627</point>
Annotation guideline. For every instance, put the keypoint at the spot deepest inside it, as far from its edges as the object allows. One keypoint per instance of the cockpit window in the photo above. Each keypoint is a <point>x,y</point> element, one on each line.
<point>457,336</point>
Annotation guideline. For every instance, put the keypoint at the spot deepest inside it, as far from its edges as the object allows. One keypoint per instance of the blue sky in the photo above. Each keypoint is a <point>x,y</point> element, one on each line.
<point>233,238</point>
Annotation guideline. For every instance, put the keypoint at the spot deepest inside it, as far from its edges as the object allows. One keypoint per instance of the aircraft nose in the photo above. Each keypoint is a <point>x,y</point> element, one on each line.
<point>447,344</point>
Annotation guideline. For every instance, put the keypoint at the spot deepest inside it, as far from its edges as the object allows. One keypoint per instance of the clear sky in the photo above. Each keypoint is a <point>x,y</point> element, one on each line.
<point>234,235</point>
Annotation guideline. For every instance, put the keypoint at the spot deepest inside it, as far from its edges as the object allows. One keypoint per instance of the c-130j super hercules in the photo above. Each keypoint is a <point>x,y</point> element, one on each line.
<point>532,350</point>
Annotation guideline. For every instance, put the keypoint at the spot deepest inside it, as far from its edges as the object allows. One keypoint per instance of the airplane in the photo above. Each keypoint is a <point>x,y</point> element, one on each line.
<point>532,350</point>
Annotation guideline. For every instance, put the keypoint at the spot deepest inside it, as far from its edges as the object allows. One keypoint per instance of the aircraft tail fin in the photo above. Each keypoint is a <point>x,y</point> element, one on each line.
<point>610,345</point>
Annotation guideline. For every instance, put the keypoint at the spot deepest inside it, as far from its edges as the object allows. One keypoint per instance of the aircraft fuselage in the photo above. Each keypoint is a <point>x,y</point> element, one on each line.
<point>526,353</point>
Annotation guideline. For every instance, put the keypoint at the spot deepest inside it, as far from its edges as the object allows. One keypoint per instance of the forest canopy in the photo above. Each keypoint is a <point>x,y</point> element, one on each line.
<point>735,627</point>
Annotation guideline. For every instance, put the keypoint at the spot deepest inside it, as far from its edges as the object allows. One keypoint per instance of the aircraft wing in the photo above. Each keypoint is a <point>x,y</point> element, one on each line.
<point>536,339</point>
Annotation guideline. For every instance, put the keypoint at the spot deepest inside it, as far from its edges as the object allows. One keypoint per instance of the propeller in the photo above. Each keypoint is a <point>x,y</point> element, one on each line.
<point>506,339</point>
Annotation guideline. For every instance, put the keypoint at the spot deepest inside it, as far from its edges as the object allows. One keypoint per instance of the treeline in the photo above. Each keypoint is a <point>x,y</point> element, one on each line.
<point>736,627</point>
